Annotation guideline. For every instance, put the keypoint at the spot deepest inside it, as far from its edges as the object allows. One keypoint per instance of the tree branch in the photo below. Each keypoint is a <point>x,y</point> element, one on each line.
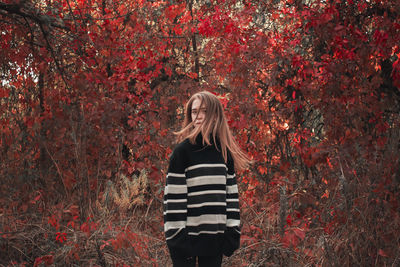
<point>34,15</point>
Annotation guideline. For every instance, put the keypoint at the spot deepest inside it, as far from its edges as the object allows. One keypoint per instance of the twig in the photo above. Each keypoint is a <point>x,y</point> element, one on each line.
<point>39,18</point>
<point>148,207</point>
<point>58,168</point>
<point>61,70</point>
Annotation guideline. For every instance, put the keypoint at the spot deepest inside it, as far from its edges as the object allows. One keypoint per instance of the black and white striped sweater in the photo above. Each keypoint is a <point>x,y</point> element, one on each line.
<point>201,205</point>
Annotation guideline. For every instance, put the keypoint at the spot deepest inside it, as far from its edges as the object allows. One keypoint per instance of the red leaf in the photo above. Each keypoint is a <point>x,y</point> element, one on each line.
<point>174,10</point>
<point>289,239</point>
<point>382,253</point>
<point>275,15</point>
<point>299,233</point>
<point>4,93</point>
<point>289,220</point>
<point>61,237</point>
<point>339,28</point>
<point>284,166</point>
<point>178,30</point>
<point>47,259</point>
<point>141,64</point>
<point>205,28</point>
<point>29,121</point>
<point>185,18</point>
<point>36,198</point>
<point>381,141</point>
<point>192,75</point>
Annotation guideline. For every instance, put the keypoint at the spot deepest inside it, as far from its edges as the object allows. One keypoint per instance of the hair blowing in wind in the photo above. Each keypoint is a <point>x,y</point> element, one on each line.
<point>214,125</point>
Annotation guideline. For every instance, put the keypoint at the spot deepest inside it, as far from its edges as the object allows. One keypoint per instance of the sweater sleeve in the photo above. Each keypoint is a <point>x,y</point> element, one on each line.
<point>175,204</point>
<point>232,232</point>
<point>232,198</point>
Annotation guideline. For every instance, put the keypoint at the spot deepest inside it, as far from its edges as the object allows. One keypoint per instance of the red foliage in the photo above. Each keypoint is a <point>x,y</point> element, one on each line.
<point>90,95</point>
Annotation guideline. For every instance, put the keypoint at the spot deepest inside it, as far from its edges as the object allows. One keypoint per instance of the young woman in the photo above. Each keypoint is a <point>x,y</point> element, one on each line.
<point>201,205</point>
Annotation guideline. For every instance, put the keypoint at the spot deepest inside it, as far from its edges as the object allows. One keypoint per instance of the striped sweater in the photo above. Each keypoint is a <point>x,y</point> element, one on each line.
<point>201,205</point>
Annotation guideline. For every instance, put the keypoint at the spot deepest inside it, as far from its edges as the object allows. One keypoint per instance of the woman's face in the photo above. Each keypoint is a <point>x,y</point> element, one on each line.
<point>198,113</point>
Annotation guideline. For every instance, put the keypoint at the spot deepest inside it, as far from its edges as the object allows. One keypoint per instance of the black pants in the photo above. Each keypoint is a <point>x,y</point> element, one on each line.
<point>204,261</point>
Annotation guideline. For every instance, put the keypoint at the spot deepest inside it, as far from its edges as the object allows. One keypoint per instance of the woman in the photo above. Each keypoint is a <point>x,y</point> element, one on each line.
<point>201,205</point>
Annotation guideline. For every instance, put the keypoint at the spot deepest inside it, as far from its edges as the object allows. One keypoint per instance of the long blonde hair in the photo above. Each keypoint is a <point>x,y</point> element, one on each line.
<point>214,124</point>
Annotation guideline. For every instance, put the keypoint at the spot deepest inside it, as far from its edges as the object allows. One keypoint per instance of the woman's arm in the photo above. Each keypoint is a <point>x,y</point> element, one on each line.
<point>232,233</point>
<point>175,204</point>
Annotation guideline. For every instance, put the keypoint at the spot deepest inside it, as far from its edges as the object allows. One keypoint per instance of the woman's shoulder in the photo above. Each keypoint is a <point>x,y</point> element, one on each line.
<point>182,146</point>
<point>187,147</point>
